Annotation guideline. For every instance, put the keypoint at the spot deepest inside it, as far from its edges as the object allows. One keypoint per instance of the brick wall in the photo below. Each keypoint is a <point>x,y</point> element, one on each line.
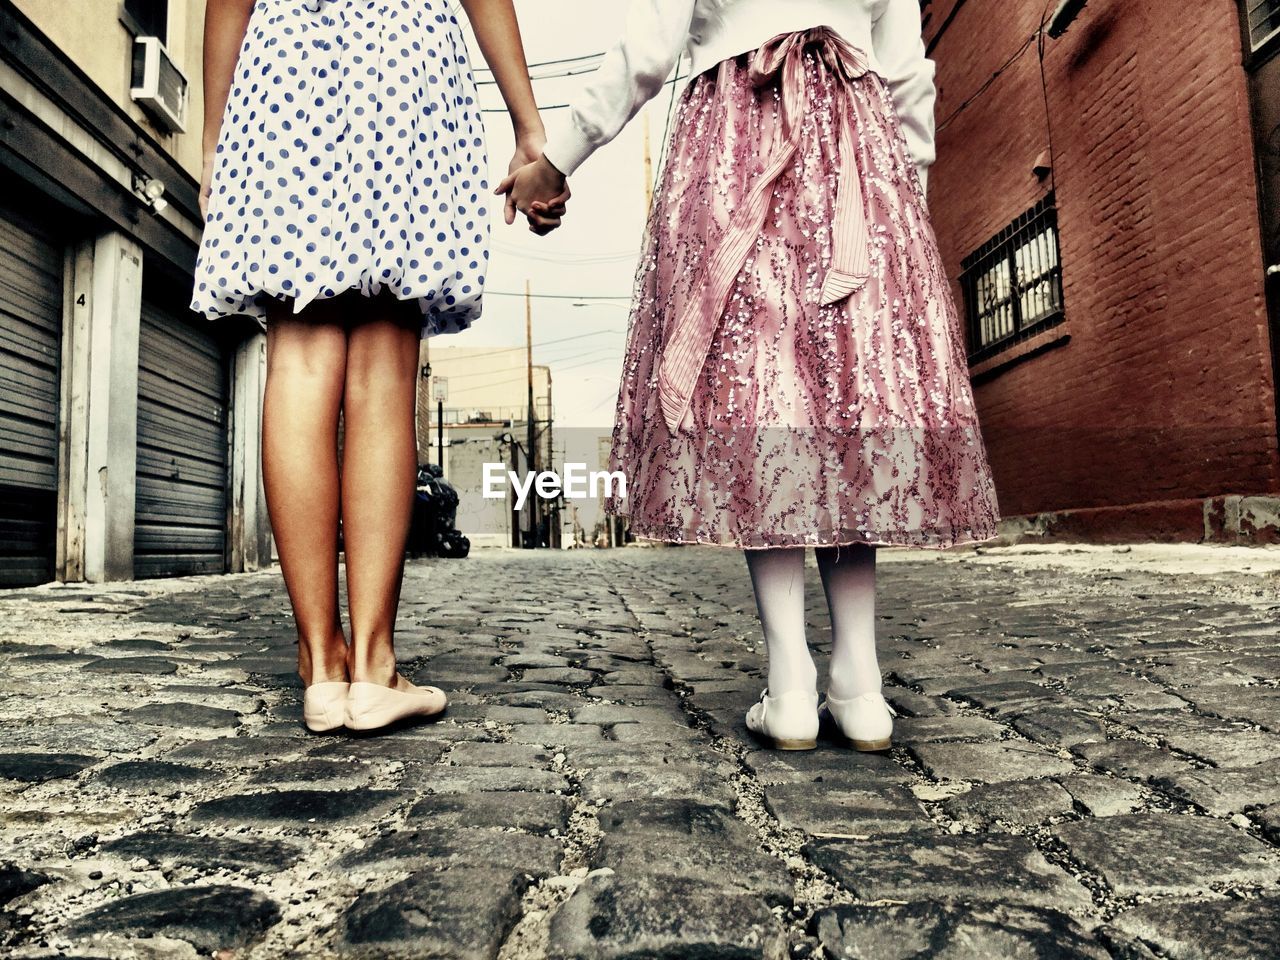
<point>1163,390</point>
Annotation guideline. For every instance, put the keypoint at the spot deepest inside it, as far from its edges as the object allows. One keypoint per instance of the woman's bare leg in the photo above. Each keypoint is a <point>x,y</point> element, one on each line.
<point>306,360</point>
<point>379,477</point>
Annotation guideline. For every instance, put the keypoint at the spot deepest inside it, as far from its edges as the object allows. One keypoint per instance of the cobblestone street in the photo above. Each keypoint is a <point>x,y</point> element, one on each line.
<point>1087,764</point>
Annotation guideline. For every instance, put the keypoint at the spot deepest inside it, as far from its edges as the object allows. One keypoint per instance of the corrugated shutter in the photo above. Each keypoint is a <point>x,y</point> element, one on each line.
<point>181,525</point>
<point>31,268</point>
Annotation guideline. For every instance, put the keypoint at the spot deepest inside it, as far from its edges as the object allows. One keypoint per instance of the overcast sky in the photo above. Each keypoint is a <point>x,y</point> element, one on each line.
<point>596,250</point>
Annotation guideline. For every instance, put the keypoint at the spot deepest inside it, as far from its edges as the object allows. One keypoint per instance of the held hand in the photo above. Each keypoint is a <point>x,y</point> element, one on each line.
<point>539,191</point>
<point>544,217</point>
<point>528,149</point>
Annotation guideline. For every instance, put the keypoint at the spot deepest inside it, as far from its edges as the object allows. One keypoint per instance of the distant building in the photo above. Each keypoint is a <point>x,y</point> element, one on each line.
<point>128,427</point>
<point>1106,204</point>
<point>486,392</point>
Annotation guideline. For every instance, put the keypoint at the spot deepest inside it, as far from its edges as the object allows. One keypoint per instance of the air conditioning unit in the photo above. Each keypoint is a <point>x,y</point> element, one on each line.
<point>158,85</point>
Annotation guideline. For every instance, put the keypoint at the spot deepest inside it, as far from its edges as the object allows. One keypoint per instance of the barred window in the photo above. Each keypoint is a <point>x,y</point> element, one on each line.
<point>1013,283</point>
<point>1263,19</point>
<point>147,18</point>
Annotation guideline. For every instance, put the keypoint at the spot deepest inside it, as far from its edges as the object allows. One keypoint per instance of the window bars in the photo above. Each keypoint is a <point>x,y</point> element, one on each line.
<point>1263,17</point>
<point>1013,283</point>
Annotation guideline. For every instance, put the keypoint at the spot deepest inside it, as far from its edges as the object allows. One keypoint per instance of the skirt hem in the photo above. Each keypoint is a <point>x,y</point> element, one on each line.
<point>921,540</point>
<point>433,322</point>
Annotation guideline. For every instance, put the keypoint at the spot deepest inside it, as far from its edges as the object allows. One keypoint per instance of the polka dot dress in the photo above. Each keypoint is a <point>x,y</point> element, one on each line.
<point>351,157</point>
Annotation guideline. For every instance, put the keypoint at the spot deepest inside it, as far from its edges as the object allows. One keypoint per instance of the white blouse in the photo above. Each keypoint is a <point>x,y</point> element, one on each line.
<point>634,70</point>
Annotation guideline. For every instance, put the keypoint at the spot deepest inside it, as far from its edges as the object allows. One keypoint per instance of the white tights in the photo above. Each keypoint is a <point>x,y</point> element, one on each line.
<point>849,580</point>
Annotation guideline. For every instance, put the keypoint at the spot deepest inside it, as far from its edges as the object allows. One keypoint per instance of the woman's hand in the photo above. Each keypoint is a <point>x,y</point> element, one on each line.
<point>206,183</point>
<point>225,25</point>
<point>539,191</point>
<point>498,34</point>
<point>528,149</point>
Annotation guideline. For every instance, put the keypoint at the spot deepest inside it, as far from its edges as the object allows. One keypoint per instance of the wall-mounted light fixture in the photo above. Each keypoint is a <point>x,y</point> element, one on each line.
<point>1063,17</point>
<point>151,191</point>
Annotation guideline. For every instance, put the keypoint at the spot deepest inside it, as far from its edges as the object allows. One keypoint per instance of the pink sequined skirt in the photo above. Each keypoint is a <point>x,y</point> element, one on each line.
<point>808,424</point>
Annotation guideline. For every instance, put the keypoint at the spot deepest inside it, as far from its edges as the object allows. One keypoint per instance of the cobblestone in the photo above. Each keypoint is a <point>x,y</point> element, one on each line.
<point>209,918</point>
<point>1223,792</point>
<point>994,869</point>
<point>684,838</point>
<point>988,762</point>
<point>837,810</point>
<point>632,918</point>
<point>179,852</point>
<point>1155,853</point>
<point>1084,767</point>
<point>463,913</point>
<point>1219,929</point>
<point>1019,803</point>
<point>908,931</point>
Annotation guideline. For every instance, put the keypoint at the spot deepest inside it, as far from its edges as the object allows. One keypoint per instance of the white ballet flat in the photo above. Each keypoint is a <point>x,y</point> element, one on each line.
<point>324,705</point>
<point>789,720</point>
<point>865,721</point>
<point>371,705</point>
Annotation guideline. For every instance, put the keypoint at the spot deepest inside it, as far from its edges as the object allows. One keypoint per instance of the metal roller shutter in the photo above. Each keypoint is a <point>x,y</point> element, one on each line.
<point>31,293</point>
<point>181,525</point>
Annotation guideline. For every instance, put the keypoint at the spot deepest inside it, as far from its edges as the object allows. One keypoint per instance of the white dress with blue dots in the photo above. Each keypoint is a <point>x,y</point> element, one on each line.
<point>351,157</point>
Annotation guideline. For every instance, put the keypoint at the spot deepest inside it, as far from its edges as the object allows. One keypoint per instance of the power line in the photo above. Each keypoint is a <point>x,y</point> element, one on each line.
<point>1044,89</point>
<point>547,343</point>
<point>585,363</point>
<point>522,379</point>
<point>523,348</point>
<point>550,106</point>
<point>573,72</point>
<point>489,373</point>
<point>556,296</point>
<point>554,63</point>
<point>565,106</point>
<point>485,386</point>
<point>573,258</point>
<point>611,395</point>
<point>999,72</point>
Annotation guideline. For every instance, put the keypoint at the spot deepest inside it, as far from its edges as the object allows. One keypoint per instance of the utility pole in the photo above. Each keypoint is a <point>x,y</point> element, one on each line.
<point>531,453</point>
<point>553,527</point>
<point>442,391</point>
<point>515,512</point>
<point>426,375</point>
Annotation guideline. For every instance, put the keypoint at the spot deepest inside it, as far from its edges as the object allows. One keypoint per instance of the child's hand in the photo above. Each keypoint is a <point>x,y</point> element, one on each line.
<point>540,192</point>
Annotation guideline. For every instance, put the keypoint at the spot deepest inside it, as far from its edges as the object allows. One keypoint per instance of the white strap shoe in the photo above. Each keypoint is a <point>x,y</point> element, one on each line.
<point>371,706</point>
<point>324,705</point>
<point>865,721</point>
<point>789,720</point>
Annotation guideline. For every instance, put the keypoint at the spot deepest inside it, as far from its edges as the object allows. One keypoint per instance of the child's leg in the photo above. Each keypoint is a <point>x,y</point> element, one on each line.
<point>849,579</point>
<point>778,578</point>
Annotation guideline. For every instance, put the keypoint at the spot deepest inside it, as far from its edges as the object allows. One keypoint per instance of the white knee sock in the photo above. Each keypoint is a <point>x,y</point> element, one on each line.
<point>778,578</point>
<point>849,579</point>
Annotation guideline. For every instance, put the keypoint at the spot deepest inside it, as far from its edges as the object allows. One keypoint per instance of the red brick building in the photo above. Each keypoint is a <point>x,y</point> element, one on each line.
<point>1105,203</point>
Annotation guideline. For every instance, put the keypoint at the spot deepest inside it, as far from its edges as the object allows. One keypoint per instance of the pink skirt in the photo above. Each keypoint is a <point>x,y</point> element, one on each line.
<point>806,424</point>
